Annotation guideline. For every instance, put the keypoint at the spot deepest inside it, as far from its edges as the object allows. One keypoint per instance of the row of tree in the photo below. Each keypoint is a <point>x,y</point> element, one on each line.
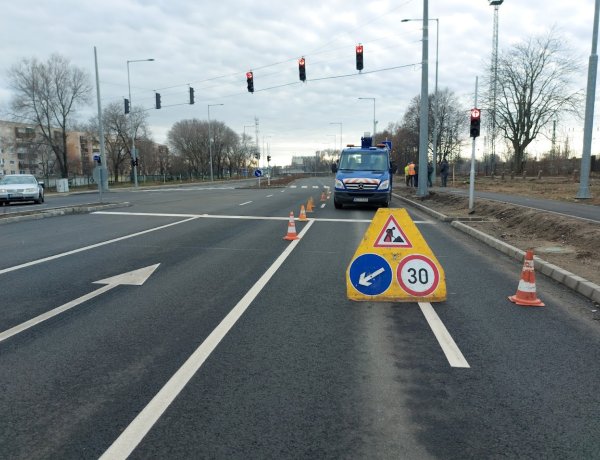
<point>532,88</point>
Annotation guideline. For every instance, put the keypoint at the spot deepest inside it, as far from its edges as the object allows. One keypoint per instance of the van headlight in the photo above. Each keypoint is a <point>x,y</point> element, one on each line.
<point>384,185</point>
<point>339,184</point>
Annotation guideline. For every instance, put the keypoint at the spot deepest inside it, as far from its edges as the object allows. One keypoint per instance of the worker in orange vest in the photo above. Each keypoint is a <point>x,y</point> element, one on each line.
<point>411,173</point>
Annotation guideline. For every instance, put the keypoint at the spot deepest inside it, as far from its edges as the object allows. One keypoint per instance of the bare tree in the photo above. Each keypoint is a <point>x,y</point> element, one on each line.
<point>189,139</point>
<point>534,84</point>
<point>47,94</point>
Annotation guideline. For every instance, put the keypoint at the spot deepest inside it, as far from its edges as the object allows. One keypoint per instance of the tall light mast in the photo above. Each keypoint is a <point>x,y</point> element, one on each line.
<point>494,89</point>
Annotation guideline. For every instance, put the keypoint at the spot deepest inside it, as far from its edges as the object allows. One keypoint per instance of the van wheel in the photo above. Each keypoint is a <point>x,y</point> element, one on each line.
<point>337,204</point>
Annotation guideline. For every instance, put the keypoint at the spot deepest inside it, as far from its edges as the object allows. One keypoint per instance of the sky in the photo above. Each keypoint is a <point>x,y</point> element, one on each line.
<point>210,46</point>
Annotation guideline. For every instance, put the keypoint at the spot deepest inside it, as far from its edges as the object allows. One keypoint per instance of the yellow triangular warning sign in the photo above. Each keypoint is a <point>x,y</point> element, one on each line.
<point>393,263</point>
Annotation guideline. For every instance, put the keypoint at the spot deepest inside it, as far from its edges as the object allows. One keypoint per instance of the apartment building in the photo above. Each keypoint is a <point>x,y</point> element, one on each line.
<point>22,151</point>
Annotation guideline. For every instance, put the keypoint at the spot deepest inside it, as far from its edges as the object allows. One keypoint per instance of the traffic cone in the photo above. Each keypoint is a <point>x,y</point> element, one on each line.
<point>310,205</point>
<point>526,290</point>
<point>291,233</point>
<point>302,216</point>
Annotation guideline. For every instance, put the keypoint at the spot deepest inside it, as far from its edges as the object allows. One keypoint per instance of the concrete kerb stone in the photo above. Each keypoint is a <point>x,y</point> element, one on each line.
<point>572,281</point>
<point>42,214</point>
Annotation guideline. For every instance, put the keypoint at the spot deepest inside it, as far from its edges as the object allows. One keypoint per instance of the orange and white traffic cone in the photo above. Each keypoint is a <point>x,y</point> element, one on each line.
<point>310,205</point>
<point>526,294</point>
<point>291,233</point>
<point>302,215</point>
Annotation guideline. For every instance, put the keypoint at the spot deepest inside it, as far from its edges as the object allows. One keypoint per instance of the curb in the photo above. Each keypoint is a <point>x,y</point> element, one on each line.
<point>577,283</point>
<point>81,209</point>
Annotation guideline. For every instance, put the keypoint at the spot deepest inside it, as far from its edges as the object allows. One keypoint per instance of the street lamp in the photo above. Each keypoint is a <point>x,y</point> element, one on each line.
<point>374,122</point>
<point>209,143</point>
<point>436,107</point>
<point>133,152</point>
<point>339,123</point>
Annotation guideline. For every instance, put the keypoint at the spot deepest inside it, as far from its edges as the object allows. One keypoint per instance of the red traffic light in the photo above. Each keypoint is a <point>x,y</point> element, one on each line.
<point>302,69</point>
<point>250,81</point>
<point>359,57</point>
<point>475,113</point>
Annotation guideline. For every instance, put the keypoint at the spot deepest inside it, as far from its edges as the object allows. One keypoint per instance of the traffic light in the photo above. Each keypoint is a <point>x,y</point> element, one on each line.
<point>250,81</point>
<point>268,158</point>
<point>157,95</point>
<point>191,95</point>
<point>302,69</point>
<point>126,106</point>
<point>475,122</point>
<point>359,57</point>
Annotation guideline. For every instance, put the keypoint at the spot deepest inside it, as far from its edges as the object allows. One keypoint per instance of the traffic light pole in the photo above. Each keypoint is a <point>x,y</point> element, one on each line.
<point>472,177</point>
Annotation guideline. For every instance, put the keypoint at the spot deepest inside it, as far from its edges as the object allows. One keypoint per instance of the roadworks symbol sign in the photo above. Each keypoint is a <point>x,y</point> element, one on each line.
<point>393,263</point>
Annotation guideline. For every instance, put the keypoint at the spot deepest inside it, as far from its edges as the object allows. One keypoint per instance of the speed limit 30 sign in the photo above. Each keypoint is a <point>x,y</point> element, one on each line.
<point>418,275</point>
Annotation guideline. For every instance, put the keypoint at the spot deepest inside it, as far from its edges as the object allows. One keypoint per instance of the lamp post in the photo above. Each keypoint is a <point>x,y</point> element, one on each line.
<point>341,143</point>
<point>436,109</point>
<point>133,152</point>
<point>209,143</point>
<point>374,122</point>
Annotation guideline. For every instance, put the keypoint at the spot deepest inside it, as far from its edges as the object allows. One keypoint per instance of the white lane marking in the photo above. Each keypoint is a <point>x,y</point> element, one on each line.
<point>145,420</point>
<point>315,186</point>
<point>134,278</point>
<point>244,204</point>
<point>451,350</point>
<point>305,186</point>
<point>323,205</point>
<point>221,216</point>
<point>293,186</point>
<point>269,196</point>
<point>92,246</point>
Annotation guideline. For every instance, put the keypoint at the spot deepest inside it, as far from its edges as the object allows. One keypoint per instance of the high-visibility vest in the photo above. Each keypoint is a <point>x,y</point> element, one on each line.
<point>406,170</point>
<point>411,169</point>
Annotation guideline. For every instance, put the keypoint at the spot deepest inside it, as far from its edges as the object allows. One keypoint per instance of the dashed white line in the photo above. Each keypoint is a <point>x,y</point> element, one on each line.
<point>449,347</point>
<point>244,204</point>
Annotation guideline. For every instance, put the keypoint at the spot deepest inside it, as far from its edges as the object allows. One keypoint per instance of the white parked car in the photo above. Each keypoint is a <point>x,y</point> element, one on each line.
<point>21,187</point>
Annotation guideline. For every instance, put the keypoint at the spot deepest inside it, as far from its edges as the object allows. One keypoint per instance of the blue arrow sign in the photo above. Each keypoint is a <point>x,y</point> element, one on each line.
<point>258,173</point>
<point>370,274</point>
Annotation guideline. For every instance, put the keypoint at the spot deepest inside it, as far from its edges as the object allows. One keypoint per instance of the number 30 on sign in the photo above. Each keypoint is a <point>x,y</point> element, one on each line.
<point>418,275</point>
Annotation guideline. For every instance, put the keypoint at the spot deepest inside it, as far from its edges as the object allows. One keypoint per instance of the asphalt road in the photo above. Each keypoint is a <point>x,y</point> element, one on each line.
<point>240,344</point>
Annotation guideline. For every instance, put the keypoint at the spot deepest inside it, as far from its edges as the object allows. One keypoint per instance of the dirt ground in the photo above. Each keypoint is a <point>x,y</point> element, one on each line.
<point>571,244</point>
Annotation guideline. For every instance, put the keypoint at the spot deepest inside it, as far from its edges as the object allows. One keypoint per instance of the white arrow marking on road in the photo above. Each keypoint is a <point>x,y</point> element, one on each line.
<point>365,280</point>
<point>132,278</point>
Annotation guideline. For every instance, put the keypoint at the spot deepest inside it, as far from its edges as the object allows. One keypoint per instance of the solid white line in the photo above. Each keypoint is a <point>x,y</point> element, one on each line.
<point>244,204</point>
<point>451,350</point>
<point>93,246</point>
<point>145,420</point>
<point>220,216</point>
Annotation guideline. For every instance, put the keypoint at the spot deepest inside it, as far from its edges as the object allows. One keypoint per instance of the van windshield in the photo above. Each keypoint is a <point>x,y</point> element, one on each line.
<point>364,161</point>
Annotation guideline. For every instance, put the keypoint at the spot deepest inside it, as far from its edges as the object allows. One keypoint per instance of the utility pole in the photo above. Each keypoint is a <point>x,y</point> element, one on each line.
<point>586,156</point>
<point>472,177</point>
<point>424,110</point>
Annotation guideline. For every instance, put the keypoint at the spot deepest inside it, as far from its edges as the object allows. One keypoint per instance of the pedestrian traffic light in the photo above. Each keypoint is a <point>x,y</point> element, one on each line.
<point>157,95</point>
<point>126,106</point>
<point>475,122</point>
<point>268,158</point>
<point>359,57</point>
<point>302,69</point>
<point>191,95</point>
<point>250,81</point>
